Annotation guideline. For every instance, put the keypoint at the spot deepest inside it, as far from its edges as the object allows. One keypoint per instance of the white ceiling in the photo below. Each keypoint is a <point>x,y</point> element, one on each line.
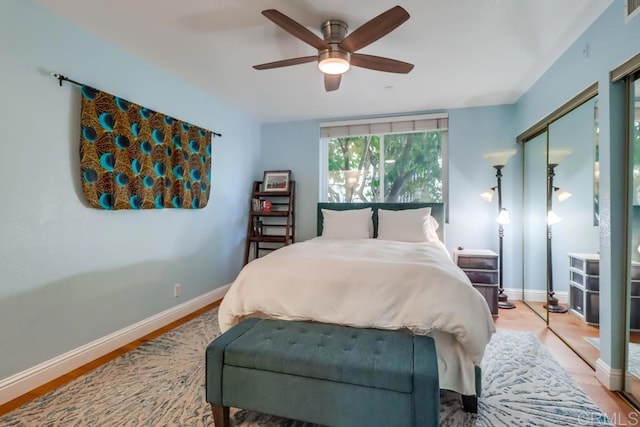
<point>466,52</point>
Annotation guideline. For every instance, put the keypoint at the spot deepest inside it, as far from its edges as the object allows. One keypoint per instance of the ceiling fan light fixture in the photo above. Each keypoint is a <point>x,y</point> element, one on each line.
<point>334,62</point>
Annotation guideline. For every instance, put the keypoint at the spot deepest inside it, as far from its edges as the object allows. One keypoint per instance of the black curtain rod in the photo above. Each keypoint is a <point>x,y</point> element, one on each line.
<point>60,78</point>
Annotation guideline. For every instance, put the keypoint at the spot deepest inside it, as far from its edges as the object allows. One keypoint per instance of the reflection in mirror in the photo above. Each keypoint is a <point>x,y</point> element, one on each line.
<point>535,231</point>
<point>633,290</point>
<point>573,240</point>
<point>596,167</point>
<point>554,158</point>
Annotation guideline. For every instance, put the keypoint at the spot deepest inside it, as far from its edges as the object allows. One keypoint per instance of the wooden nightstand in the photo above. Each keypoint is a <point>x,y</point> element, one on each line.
<point>481,266</point>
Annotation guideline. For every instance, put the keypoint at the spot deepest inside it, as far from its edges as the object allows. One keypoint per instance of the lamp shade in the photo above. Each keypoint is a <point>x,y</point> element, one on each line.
<point>561,194</point>
<point>556,155</point>
<point>552,218</point>
<point>503,217</point>
<point>487,196</point>
<point>499,158</point>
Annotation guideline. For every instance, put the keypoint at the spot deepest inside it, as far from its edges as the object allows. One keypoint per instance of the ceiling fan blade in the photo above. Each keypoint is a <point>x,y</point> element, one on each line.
<point>380,63</point>
<point>332,82</point>
<point>286,62</point>
<point>374,29</point>
<point>295,29</point>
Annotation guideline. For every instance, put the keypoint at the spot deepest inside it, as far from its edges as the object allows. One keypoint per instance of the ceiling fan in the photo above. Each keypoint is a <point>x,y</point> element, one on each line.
<point>337,51</point>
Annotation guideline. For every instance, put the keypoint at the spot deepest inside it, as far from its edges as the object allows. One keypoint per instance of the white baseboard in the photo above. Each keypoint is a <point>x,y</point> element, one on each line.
<point>613,379</point>
<point>535,295</point>
<point>29,379</point>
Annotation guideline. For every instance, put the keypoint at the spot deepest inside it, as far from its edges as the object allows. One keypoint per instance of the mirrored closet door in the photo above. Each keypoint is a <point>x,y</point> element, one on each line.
<point>573,240</point>
<point>633,285</point>
<point>561,230</point>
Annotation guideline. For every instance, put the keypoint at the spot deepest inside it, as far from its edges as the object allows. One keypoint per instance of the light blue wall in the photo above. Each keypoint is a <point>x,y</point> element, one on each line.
<point>605,45</point>
<point>294,145</point>
<point>70,274</point>
<point>473,131</point>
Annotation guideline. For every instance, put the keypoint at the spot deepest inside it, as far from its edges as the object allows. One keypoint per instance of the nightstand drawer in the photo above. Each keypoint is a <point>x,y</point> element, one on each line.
<point>477,262</point>
<point>635,288</point>
<point>591,283</point>
<point>634,321</point>
<point>576,299</point>
<point>585,264</point>
<point>482,276</point>
<point>635,270</point>
<point>490,294</point>
<point>585,303</point>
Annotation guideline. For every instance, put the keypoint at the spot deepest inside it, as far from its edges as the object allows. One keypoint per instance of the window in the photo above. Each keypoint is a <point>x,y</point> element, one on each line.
<point>402,159</point>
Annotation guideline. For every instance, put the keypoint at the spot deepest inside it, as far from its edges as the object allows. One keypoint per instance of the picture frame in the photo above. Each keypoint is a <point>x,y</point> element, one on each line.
<point>276,181</point>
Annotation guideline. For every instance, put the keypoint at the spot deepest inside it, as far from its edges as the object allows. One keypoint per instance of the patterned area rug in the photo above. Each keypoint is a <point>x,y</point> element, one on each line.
<point>634,354</point>
<point>162,384</point>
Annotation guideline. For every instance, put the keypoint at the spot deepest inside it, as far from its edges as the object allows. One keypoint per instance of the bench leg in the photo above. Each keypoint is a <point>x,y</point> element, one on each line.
<point>220,415</point>
<point>470,403</point>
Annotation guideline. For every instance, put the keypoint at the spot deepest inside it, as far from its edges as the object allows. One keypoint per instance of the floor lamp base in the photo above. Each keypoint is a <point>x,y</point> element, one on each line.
<point>553,306</point>
<point>503,303</point>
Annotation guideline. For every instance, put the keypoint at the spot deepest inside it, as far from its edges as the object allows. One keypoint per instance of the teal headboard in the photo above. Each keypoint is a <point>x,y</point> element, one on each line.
<point>437,211</point>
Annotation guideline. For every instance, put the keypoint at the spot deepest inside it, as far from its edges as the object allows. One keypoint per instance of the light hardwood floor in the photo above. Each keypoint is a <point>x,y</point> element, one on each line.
<point>521,318</point>
<point>572,329</point>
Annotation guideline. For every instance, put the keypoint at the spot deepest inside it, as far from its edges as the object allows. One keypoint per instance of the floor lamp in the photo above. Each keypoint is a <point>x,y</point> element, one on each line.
<point>555,156</point>
<point>498,160</point>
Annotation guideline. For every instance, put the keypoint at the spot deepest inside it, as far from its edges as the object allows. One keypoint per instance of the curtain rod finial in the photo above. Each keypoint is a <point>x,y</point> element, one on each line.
<point>57,76</point>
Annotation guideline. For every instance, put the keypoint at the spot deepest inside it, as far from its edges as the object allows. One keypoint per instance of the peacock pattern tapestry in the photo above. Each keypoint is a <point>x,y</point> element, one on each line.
<point>132,157</point>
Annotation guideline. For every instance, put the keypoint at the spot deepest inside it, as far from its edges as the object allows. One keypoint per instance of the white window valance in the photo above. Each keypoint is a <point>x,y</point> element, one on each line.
<point>385,125</point>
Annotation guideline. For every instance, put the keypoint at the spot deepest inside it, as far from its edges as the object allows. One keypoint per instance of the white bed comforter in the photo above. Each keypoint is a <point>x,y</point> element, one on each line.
<point>371,283</point>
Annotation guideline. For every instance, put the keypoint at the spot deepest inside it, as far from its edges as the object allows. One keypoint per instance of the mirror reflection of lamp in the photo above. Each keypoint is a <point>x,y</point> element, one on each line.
<point>553,218</point>
<point>503,217</point>
<point>487,196</point>
<point>498,160</point>
<point>561,194</point>
<point>554,157</point>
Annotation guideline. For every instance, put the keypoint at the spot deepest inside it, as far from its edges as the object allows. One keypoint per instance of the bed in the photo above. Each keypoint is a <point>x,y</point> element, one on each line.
<point>371,280</point>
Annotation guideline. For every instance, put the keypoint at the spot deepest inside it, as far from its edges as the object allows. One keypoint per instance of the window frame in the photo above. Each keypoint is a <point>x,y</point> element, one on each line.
<point>444,138</point>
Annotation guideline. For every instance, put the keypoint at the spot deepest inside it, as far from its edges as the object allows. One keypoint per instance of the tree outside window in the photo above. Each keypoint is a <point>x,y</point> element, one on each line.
<point>399,167</point>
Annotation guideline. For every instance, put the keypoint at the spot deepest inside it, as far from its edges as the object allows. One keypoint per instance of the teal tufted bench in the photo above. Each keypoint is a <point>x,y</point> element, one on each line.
<point>325,374</point>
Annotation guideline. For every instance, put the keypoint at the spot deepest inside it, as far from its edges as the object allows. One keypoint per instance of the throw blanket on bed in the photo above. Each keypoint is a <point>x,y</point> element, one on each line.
<point>363,283</point>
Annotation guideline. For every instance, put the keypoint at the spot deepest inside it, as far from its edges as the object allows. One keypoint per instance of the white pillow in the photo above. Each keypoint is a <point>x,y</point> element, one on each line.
<point>408,225</point>
<point>350,224</point>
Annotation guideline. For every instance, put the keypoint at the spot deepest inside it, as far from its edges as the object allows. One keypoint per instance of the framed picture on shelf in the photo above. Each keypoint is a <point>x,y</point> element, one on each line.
<point>276,180</point>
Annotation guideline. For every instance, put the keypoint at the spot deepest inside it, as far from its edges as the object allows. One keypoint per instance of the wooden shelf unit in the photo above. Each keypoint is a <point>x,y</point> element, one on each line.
<point>268,231</point>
